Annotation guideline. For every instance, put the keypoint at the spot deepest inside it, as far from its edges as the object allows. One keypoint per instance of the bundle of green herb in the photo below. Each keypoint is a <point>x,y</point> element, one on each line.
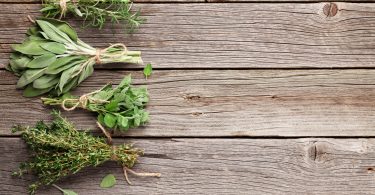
<point>96,11</point>
<point>121,107</point>
<point>53,59</point>
<point>60,150</point>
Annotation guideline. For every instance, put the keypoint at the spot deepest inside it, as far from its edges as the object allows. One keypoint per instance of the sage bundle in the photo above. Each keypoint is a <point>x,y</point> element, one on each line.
<point>120,107</point>
<point>53,59</point>
<point>59,150</point>
<point>97,12</point>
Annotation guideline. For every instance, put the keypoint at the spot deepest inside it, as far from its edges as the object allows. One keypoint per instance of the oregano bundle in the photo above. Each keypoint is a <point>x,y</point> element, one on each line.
<point>53,59</point>
<point>121,107</point>
<point>97,12</point>
<point>59,150</point>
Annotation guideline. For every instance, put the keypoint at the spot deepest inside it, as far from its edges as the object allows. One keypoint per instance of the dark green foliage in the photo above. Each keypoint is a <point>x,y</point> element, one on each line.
<point>59,150</point>
<point>95,12</point>
<point>120,107</point>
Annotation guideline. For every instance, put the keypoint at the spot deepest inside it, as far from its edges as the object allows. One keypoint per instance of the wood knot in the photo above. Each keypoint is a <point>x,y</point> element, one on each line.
<point>196,113</point>
<point>318,152</point>
<point>192,97</point>
<point>330,9</point>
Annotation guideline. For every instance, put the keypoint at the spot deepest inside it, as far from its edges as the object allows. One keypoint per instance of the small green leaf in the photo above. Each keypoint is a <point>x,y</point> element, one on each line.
<point>110,120</point>
<point>108,181</point>
<point>112,106</point>
<point>29,76</point>
<point>125,82</point>
<point>42,61</point>
<point>32,92</point>
<point>147,70</point>
<point>64,63</point>
<point>122,122</point>
<point>66,76</point>
<point>52,32</point>
<point>64,27</point>
<point>45,81</point>
<point>89,69</point>
<point>69,192</point>
<point>101,119</point>
<point>54,47</point>
<point>30,47</point>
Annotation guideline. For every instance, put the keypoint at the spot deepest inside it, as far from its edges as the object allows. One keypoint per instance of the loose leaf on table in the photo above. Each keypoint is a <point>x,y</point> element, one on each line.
<point>121,107</point>
<point>147,70</point>
<point>53,48</point>
<point>108,181</point>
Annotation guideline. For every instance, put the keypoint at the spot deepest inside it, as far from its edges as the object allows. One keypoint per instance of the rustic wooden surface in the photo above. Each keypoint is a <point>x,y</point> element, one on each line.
<point>247,97</point>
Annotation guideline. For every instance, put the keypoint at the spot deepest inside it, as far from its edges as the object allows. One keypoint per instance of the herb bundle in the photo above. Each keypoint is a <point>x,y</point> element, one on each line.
<point>121,107</point>
<point>53,59</point>
<point>60,150</point>
<point>97,12</point>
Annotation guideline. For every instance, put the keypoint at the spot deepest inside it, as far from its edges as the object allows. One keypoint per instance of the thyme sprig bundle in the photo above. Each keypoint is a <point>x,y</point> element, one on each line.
<point>121,107</point>
<point>60,150</point>
<point>98,12</point>
<point>53,59</point>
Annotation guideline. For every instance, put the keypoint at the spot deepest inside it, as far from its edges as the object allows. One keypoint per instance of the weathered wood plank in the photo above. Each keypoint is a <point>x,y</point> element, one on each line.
<point>223,166</point>
<point>231,35</point>
<point>136,1</point>
<point>229,102</point>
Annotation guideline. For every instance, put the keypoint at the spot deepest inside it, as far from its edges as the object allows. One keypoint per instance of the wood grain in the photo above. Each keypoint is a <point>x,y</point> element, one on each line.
<point>222,166</point>
<point>239,35</point>
<point>217,103</point>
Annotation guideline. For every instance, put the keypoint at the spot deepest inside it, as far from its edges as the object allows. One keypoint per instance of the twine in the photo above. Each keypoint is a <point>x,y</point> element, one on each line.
<point>102,53</point>
<point>81,101</point>
<point>63,7</point>
<point>126,170</point>
<point>109,138</point>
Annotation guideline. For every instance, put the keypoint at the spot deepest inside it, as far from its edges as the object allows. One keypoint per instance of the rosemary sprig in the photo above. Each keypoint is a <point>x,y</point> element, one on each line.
<point>53,59</point>
<point>60,150</point>
<point>121,107</point>
<point>95,12</point>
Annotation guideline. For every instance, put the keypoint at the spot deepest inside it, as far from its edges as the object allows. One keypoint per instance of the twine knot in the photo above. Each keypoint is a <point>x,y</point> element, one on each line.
<point>63,7</point>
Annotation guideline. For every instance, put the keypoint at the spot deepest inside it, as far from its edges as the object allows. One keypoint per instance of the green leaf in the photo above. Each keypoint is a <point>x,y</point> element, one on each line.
<point>147,70</point>
<point>53,33</point>
<point>56,48</point>
<point>29,76</point>
<point>110,120</point>
<point>66,76</point>
<point>122,122</point>
<point>63,63</point>
<point>101,119</point>
<point>64,27</point>
<point>108,181</point>
<point>32,92</point>
<point>112,106</point>
<point>46,81</point>
<point>71,84</point>
<point>42,61</point>
<point>125,82</point>
<point>145,117</point>
<point>30,47</point>
<point>137,120</point>
<point>89,69</point>
<point>20,62</point>
<point>69,192</point>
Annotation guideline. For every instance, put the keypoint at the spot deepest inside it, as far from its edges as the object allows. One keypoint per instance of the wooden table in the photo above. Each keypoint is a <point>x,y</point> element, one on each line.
<point>247,97</point>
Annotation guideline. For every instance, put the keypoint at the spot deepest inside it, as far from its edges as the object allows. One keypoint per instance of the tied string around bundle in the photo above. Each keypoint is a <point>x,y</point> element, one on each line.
<point>103,53</point>
<point>70,104</point>
<point>125,169</point>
